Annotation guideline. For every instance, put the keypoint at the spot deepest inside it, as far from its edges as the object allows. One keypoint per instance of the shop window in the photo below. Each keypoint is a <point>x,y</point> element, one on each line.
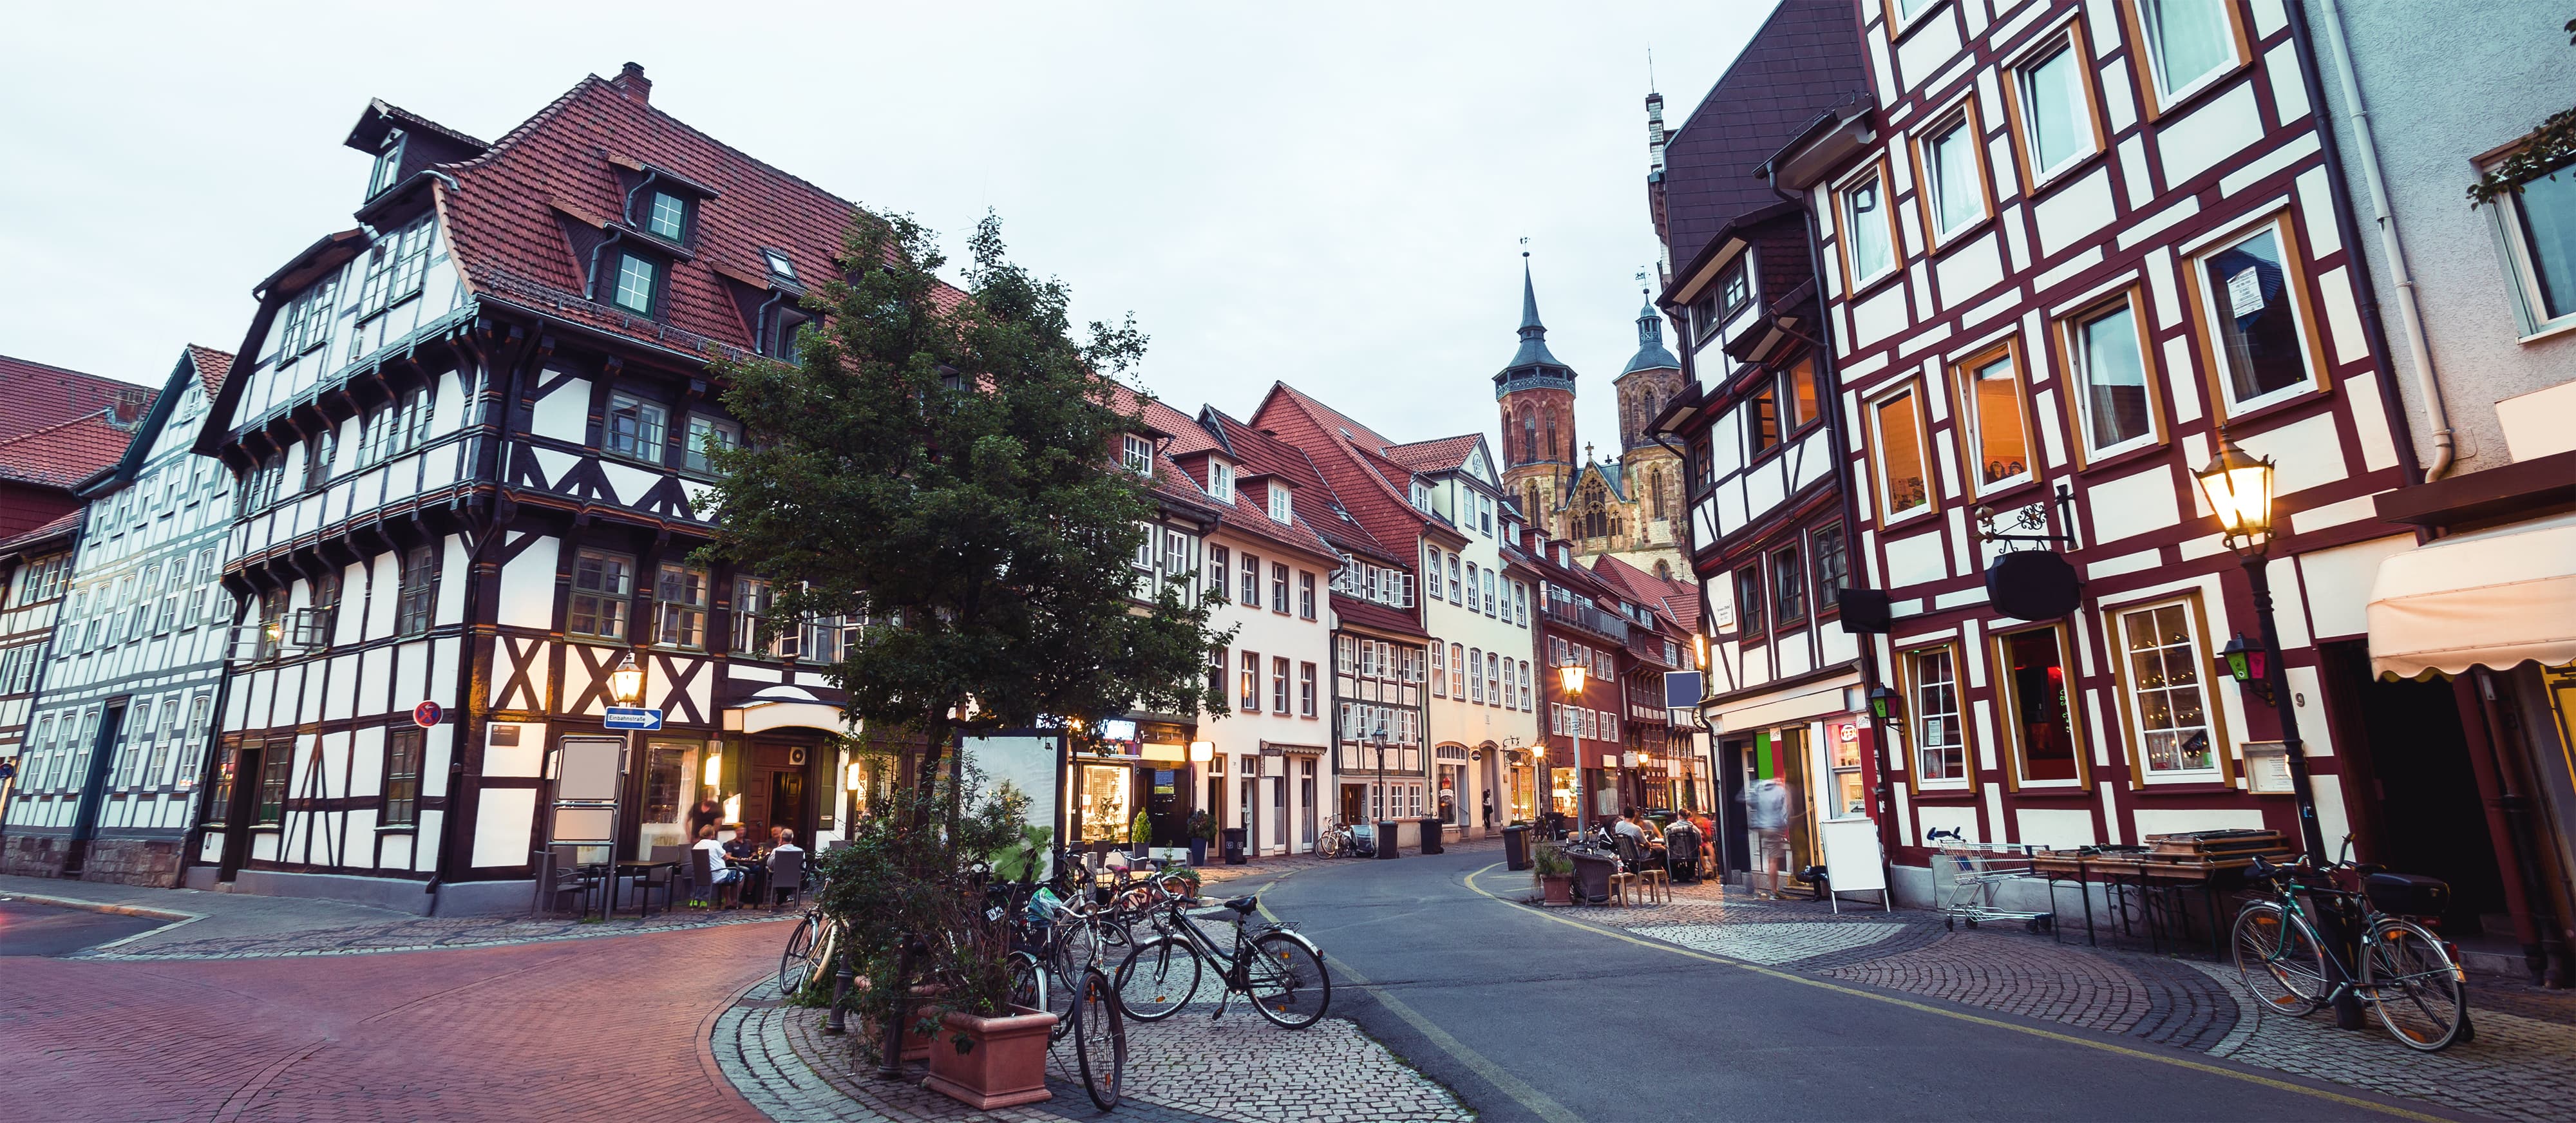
<point>601,584</point>
<point>1997,439</point>
<point>2038,700</point>
<point>2108,354</point>
<point>2162,679</point>
<point>1904,473</point>
<point>2190,45</point>
<point>2253,293</point>
<point>1940,744</point>
<point>2053,109</point>
<point>1865,226</point>
<point>1849,790</point>
<point>1105,803</point>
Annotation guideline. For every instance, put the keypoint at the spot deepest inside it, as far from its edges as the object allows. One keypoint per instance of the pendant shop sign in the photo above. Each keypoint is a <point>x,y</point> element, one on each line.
<point>2033,585</point>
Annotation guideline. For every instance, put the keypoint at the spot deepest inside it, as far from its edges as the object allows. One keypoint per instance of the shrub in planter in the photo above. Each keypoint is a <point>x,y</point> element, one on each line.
<point>1202,830</point>
<point>1555,872</point>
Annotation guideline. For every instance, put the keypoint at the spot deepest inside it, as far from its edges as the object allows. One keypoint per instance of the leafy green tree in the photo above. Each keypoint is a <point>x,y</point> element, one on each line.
<point>943,464</point>
<point>2544,153</point>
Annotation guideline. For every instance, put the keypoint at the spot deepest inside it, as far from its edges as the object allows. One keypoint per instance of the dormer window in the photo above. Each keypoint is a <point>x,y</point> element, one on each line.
<point>1280,508</point>
<point>1421,496</point>
<point>1138,454</point>
<point>1221,480</point>
<point>668,217</point>
<point>779,265</point>
<point>388,164</point>
<point>638,278</point>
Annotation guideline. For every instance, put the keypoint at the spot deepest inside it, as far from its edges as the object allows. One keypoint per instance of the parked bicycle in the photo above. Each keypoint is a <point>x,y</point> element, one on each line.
<point>2407,976</point>
<point>1342,840</point>
<point>1279,971</point>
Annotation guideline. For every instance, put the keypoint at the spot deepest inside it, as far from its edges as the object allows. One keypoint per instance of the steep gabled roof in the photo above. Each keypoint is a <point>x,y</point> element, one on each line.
<point>41,396</point>
<point>1441,454</point>
<point>62,529</point>
<point>1241,514</point>
<point>1351,457</point>
<point>63,455</point>
<point>1805,59</point>
<point>211,367</point>
<point>512,207</point>
<point>204,366</point>
<point>1321,507</point>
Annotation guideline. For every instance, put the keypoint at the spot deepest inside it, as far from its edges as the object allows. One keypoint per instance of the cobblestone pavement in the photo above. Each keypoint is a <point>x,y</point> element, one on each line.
<point>1187,1069</point>
<point>201,925</point>
<point>600,1029</point>
<point>2519,1066</point>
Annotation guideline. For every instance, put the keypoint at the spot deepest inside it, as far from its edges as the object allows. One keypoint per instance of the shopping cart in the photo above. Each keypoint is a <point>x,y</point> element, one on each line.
<point>1967,877</point>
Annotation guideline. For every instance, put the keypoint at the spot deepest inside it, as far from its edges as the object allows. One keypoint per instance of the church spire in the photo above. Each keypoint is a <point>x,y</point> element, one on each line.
<point>1533,351</point>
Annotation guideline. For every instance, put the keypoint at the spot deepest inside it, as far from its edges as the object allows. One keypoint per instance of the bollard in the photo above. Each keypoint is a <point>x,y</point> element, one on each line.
<point>839,1021</point>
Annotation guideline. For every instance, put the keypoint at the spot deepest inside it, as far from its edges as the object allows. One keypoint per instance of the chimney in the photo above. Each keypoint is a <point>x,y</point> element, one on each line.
<point>632,81</point>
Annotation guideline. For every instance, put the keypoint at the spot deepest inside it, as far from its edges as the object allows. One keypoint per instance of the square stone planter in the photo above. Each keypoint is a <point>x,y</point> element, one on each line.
<point>987,1063</point>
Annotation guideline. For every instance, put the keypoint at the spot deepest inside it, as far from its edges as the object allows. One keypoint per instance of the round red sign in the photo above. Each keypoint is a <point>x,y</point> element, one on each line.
<point>427,714</point>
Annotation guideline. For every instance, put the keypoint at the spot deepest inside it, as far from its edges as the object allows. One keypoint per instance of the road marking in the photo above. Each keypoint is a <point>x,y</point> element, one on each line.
<point>1536,1101</point>
<point>2034,1031</point>
<point>176,917</point>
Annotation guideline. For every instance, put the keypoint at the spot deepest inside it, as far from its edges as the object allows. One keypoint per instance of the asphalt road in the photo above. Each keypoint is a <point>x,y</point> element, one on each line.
<point>28,928</point>
<point>1528,1017</point>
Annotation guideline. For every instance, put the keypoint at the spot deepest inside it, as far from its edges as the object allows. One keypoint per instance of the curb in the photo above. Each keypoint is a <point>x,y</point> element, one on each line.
<point>176,918</point>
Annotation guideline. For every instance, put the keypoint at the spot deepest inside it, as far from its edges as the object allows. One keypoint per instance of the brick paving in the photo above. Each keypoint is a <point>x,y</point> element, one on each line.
<point>608,1028</point>
<point>2518,1067</point>
<point>1186,1069</point>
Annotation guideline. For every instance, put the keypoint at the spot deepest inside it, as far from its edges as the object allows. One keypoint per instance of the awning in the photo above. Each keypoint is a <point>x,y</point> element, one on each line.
<point>2493,598</point>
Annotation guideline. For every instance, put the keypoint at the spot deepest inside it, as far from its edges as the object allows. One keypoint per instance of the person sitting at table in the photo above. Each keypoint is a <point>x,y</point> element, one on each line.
<point>739,846</point>
<point>786,845</point>
<point>717,869</point>
<point>1681,845</point>
<point>1627,823</point>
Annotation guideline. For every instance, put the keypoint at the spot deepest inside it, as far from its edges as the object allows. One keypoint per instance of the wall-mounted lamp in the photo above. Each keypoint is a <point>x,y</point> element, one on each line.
<point>715,768</point>
<point>1882,703</point>
<point>626,683</point>
<point>1202,752</point>
<point>2249,665</point>
<point>857,779</point>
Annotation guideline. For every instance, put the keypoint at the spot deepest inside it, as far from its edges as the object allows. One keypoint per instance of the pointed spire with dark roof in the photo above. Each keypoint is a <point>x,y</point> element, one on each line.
<point>1651,354</point>
<point>1534,336</point>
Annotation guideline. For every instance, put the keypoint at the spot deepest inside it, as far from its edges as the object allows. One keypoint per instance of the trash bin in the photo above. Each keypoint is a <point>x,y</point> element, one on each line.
<point>1234,846</point>
<point>1432,836</point>
<point>1516,847</point>
<point>1386,847</point>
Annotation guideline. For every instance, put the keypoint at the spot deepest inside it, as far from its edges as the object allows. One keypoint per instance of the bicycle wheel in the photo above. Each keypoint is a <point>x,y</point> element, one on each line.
<point>1288,981</point>
<point>1330,846</point>
<point>1028,982</point>
<point>1100,1039</point>
<point>2279,959</point>
<point>796,964</point>
<point>1158,978</point>
<point>2413,985</point>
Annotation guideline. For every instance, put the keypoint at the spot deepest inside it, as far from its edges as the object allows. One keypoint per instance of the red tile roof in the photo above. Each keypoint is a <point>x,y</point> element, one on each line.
<point>1367,614</point>
<point>63,455</point>
<point>1244,514</point>
<point>1675,599</point>
<point>1437,455</point>
<point>59,528</point>
<point>503,215</point>
<point>1351,459</point>
<point>212,365</point>
<point>41,396</point>
<point>1266,454</point>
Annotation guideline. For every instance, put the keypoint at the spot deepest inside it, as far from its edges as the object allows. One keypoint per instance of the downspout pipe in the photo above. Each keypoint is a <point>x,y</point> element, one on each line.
<point>2410,316</point>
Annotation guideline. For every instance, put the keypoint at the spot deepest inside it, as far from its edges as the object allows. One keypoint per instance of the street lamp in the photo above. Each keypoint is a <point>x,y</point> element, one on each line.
<point>1570,678</point>
<point>626,688</point>
<point>1377,798</point>
<point>2239,490</point>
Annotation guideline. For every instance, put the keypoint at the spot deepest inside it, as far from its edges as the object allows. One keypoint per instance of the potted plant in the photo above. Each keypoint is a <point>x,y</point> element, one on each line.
<point>987,1052</point>
<point>1140,835</point>
<point>1555,873</point>
<point>1202,829</point>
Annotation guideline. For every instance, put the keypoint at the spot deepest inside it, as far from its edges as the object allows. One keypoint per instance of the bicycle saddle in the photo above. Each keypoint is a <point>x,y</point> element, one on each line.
<point>1244,905</point>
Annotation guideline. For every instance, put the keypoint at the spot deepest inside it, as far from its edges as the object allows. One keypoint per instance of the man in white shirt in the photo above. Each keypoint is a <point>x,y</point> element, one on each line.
<point>716,867</point>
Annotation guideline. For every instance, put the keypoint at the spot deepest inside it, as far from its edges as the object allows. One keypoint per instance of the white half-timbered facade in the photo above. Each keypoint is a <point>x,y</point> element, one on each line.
<point>117,740</point>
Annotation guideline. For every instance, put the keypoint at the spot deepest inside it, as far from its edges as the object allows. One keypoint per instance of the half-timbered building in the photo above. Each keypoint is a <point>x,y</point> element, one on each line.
<point>35,572</point>
<point>1770,536</point>
<point>2065,247</point>
<point>471,435</point>
<point>124,720</point>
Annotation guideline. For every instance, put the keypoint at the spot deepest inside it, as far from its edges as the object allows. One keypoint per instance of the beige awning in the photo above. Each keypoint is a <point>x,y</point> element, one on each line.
<point>2494,598</point>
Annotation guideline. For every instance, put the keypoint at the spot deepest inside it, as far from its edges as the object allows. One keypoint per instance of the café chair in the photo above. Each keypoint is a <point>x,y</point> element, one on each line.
<point>568,876</point>
<point>786,877</point>
<point>1638,872</point>
<point>704,890</point>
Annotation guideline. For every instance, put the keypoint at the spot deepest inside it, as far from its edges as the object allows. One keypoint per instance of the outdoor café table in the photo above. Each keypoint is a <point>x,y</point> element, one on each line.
<point>635,867</point>
<point>754,870</point>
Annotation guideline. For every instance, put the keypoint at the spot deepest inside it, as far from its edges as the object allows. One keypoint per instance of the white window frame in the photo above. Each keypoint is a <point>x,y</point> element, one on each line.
<point>1888,515</point>
<point>1961,117</point>
<point>634,270</point>
<point>2195,654</point>
<point>1283,505</point>
<point>1220,480</point>
<point>1954,721</point>
<point>2513,235</point>
<point>2078,380</point>
<point>2294,289</point>
<point>2148,49</point>
<point>1137,454</point>
<point>2070,38</point>
<point>1971,419</point>
<point>1845,222</point>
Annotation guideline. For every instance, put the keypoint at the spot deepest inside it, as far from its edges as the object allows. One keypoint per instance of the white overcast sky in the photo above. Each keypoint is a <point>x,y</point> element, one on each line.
<point>1328,194</point>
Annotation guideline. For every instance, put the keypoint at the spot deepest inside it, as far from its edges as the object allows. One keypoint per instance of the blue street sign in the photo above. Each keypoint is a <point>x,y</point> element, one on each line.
<point>633,717</point>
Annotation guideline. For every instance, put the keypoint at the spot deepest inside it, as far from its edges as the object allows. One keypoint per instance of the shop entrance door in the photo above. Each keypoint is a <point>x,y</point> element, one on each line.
<point>1163,808</point>
<point>1788,761</point>
<point>773,793</point>
<point>2412,794</point>
<point>1279,814</point>
<point>1735,764</point>
<point>1247,807</point>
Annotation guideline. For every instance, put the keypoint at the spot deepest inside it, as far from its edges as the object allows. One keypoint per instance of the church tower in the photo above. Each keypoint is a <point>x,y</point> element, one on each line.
<point>1536,394</point>
<point>1651,471</point>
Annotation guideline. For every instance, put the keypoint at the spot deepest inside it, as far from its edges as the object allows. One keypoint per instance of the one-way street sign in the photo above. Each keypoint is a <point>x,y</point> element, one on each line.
<point>633,717</point>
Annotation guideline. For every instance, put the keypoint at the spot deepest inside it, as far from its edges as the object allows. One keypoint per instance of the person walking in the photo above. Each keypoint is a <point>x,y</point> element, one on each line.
<point>1766,810</point>
<point>1707,840</point>
<point>704,815</point>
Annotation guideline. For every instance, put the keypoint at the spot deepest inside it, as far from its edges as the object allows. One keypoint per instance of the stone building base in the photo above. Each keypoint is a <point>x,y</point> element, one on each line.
<point>150,862</point>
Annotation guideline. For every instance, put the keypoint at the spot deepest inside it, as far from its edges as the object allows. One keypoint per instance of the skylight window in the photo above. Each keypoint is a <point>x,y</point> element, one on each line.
<point>779,265</point>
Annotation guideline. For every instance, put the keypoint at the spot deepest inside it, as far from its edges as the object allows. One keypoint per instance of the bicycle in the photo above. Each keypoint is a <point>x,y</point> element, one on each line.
<point>1279,971</point>
<point>2407,975</point>
<point>1342,840</point>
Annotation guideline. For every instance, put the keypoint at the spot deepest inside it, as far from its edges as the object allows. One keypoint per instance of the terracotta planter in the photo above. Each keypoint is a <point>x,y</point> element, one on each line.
<point>987,1063</point>
<point>1557,889</point>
